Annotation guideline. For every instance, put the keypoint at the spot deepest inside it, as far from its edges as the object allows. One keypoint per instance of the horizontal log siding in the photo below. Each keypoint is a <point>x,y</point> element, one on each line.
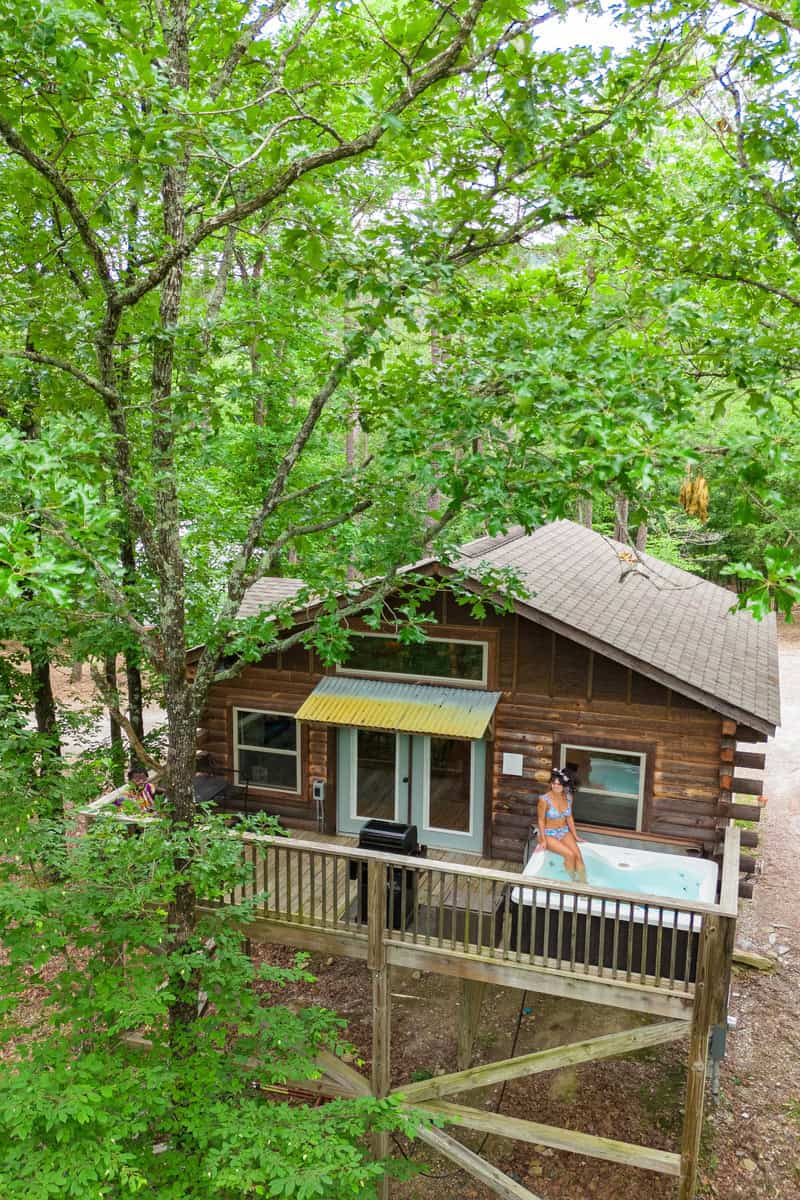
<point>552,689</point>
<point>562,692</point>
<point>685,787</point>
<point>270,690</point>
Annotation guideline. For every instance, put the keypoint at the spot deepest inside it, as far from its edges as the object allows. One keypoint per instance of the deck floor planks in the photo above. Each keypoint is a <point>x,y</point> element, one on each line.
<point>294,891</point>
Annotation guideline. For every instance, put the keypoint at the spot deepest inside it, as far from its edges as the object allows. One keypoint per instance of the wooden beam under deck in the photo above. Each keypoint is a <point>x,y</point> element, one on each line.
<point>502,1125</point>
<point>626,1041</point>
<point>658,1002</point>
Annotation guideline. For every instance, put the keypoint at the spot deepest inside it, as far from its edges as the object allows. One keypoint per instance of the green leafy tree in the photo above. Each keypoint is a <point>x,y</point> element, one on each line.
<point>122,1102</point>
<point>716,237</point>
<point>232,230</point>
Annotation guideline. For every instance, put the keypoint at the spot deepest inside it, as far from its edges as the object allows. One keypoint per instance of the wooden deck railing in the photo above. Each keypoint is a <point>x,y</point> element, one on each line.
<point>481,923</point>
<point>457,910</point>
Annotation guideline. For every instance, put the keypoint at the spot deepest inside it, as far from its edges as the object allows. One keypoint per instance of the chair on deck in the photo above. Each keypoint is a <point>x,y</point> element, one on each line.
<point>218,785</point>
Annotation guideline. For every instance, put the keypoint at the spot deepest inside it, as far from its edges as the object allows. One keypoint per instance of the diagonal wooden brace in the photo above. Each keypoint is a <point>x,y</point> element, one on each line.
<point>558,1139</point>
<point>502,1185</point>
<point>626,1042</point>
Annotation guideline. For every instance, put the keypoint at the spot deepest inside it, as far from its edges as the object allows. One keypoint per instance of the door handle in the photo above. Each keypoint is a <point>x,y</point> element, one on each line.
<point>405,779</point>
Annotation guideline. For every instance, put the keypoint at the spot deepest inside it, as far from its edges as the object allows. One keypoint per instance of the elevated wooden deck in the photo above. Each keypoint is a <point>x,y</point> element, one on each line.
<point>477,920</point>
<point>482,922</point>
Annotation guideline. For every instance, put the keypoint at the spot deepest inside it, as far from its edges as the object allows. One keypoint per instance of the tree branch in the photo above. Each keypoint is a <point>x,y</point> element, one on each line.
<point>239,572</point>
<point>260,148</point>
<point>756,283</point>
<point>111,701</point>
<point>205,673</point>
<point>321,483</point>
<point>107,585</point>
<point>243,44</point>
<point>47,360</point>
<point>296,531</point>
<point>80,284</point>
<point>220,284</point>
<point>68,199</point>
<point>137,520</point>
<point>774,14</point>
<point>434,71</point>
<point>514,30</point>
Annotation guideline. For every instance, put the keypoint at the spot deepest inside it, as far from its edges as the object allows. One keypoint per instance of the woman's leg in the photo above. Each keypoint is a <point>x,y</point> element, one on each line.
<point>559,846</point>
<point>572,847</point>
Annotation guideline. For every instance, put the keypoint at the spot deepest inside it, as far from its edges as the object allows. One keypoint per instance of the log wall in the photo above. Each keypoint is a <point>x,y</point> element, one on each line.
<point>553,690</point>
<point>683,763</point>
<point>273,687</point>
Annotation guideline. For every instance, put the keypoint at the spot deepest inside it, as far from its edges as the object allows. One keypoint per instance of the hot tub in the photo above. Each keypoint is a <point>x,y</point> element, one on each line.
<point>650,938</point>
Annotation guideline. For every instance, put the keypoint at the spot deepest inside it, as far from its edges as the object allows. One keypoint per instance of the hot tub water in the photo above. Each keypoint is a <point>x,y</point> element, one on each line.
<point>670,875</point>
<point>647,873</point>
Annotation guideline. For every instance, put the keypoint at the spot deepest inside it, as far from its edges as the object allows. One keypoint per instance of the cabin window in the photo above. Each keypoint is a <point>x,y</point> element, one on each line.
<point>433,659</point>
<point>609,785</point>
<point>266,750</point>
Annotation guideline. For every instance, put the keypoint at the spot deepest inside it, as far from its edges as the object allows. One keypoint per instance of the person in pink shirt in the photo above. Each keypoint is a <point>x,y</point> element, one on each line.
<point>139,793</point>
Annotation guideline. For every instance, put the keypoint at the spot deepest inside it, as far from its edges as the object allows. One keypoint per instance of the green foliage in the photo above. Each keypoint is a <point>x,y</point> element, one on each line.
<point>87,958</point>
<point>373,285</point>
<point>502,150</point>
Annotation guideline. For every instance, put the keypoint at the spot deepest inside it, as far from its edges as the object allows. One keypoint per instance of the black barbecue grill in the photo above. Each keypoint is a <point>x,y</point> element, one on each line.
<point>389,837</point>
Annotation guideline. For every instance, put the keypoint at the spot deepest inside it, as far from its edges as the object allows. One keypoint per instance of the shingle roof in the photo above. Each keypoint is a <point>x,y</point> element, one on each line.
<point>669,624</point>
<point>268,592</point>
<point>664,622</point>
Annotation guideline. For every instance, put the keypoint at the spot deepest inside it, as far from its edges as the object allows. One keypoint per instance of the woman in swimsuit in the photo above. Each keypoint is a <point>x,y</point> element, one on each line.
<point>556,825</point>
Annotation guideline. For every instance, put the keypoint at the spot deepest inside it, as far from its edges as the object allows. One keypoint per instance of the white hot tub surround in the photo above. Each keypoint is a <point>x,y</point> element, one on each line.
<point>625,870</point>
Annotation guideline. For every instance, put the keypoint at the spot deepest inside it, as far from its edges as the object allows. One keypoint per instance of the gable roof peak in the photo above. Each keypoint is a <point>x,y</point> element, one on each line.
<point>668,623</point>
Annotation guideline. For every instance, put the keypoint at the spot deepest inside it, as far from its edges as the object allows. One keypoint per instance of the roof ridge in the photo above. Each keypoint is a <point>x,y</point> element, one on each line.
<point>489,542</point>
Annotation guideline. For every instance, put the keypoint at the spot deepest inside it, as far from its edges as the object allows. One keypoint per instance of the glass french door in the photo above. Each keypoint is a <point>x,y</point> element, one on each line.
<point>434,783</point>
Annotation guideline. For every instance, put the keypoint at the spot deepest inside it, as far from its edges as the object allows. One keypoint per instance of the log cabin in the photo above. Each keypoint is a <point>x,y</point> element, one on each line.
<point>634,674</point>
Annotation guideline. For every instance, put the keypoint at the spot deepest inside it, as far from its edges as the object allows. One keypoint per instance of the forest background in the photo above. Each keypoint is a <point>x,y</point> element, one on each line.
<point>317,289</point>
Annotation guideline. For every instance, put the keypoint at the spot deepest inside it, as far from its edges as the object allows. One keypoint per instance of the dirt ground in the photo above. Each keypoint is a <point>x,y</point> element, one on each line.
<point>751,1143</point>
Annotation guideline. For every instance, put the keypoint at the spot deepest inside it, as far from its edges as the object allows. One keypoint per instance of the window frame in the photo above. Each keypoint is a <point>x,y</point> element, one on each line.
<point>646,753</point>
<point>441,680</point>
<point>237,746</point>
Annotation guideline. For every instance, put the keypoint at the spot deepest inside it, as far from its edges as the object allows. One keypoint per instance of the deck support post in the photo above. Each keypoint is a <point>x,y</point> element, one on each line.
<point>381,1002</point>
<point>469,1013</point>
<point>710,964</point>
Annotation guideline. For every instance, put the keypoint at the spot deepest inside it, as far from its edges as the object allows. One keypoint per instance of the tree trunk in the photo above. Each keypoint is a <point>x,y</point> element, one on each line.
<point>133,675</point>
<point>133,678</point>
<point>351,456</point>
<point>117,748</point>
<point>44,705</point>
<point>585,512</point>
<point>641,536</point>
<point>620,519</point>
<point>181,718</point>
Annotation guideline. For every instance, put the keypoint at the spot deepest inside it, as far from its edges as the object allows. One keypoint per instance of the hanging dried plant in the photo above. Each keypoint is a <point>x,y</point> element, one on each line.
<point>694,496</point>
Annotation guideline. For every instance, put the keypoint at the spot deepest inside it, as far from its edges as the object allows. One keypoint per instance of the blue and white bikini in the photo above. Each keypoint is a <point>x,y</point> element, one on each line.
<point>555,814</point>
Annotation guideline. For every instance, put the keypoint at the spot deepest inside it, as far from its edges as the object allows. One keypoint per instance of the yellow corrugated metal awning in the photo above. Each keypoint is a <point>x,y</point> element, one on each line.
<point>402,707</point>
